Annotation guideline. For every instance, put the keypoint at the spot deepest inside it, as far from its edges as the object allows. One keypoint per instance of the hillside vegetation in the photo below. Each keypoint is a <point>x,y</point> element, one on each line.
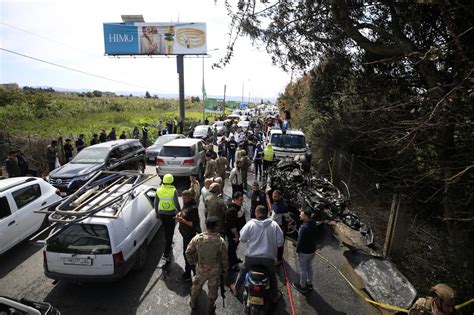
<point>50,114</point>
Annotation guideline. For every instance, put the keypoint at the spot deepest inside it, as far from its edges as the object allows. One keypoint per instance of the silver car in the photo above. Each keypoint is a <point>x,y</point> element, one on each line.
<point>220,127</point>
<point>182,157</point>
<point>154,150</point>
<point>201,131</point>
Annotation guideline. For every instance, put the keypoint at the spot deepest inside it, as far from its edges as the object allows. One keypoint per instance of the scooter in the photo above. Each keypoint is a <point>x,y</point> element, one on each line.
<point>256,295</point>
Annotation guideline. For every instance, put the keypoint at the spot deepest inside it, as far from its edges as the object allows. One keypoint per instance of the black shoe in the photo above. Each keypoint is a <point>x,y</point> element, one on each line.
<point>298,287</point>
<point>184,278</point>
<point>166,258</point>
<point>310,287</point>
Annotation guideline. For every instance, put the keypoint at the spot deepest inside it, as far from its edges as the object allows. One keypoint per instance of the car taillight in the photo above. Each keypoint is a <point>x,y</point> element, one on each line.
<point>256,288</point>
<point>45,260</point>
<point>160,161</point>
<point>189,162</point>
<point>118,258</point>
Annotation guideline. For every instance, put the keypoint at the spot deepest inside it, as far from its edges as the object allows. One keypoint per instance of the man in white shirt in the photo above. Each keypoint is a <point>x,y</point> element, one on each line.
<point>235,178</point>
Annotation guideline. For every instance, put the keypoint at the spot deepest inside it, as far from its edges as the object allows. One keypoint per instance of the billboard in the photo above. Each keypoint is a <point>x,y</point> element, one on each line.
<point>214,105</point>
<point>155,38</point>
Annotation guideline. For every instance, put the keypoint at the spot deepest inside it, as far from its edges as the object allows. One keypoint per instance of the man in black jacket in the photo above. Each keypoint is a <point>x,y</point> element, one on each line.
<point>257,199</point>
<point>11,164</point>
<point>306,248</point>
<point>189,226</point>
<point>233,224</point>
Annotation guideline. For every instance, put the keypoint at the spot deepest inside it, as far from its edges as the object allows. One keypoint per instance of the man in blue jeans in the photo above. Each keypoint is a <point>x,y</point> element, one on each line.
<point>306,247</point>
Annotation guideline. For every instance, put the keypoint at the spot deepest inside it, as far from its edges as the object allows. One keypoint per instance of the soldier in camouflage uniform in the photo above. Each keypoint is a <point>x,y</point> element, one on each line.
<point>216,206</point>
<point>208,252</point>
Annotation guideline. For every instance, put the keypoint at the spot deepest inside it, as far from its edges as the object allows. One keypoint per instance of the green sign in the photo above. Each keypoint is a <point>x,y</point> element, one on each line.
<point>214,105</point>
<point>232,105</point>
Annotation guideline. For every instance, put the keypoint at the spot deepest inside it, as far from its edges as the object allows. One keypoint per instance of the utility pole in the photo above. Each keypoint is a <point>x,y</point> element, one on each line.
<point>180,66</point>
<point>243,91</point>
<point>223,109</point>
<point>203,94</point>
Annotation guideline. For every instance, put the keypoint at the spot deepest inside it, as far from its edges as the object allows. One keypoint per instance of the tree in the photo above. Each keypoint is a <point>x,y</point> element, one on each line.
<point>147,95</point>
<point>390,81</point>
<point>97,93</point>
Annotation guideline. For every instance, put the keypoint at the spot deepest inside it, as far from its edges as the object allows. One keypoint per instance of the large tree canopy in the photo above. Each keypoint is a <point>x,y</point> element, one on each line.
<point>391,82</point>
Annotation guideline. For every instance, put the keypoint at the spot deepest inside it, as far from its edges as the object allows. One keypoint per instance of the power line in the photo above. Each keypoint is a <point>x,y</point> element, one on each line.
<point>79,71</point>
<point>49,39</point>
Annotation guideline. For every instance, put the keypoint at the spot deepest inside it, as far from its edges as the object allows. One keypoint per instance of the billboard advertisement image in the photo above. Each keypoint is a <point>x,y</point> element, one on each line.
<point>155,38</point>
<point>214,105</point>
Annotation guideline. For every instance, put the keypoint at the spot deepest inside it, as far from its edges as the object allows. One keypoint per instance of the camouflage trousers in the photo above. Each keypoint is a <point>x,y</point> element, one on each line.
<point>210,274</point>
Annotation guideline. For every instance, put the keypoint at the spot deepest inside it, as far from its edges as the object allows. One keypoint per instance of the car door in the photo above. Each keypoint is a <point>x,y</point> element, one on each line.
<point>127,162</point>
<point>113,160</point>
<point>9,235</point>
<point>27,200</point>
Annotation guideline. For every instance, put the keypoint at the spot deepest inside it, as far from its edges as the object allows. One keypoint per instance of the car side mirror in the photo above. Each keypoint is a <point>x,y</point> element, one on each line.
<point>113,160</point>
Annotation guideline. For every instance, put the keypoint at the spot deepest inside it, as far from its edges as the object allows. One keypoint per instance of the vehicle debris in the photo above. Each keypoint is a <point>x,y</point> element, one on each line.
<point>328,203</point>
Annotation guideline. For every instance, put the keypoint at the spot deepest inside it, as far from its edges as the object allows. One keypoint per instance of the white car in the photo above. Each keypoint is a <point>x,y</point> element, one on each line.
<point>108,244</point>
<point>243,124</point>
<point>19,198</point>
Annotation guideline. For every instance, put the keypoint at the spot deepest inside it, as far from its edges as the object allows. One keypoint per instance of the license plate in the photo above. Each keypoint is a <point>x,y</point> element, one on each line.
<point>78,261</point>
<point>174,162</point>
<point>256,300</point>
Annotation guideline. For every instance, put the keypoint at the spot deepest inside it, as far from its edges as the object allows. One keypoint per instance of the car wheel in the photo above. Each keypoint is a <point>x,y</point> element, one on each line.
<point>141,258</point>
<point>141,167</point>
<point>292,225</point>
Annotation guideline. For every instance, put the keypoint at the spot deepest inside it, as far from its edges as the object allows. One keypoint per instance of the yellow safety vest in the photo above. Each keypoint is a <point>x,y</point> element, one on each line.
<point>268,154</point>
<point>166,195</point>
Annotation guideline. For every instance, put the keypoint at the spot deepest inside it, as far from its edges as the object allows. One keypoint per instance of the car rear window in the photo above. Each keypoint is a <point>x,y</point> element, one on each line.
<point>81,239</point>
<point>288,141</point>
<point>177,151</point>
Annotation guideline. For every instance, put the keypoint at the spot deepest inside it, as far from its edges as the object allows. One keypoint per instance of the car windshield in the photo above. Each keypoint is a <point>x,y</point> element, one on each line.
<point>201,128</point>
<point>91,156</point>
<point>81,239</point>
<point>164,139</point>
<point>288,141</point>
<point>176,151</point>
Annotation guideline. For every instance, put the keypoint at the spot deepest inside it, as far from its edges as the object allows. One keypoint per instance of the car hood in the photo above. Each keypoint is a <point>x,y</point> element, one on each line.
<point>70,170</point>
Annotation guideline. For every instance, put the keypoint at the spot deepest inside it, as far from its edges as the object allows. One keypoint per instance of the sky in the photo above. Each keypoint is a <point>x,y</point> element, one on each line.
<point>70,33</point>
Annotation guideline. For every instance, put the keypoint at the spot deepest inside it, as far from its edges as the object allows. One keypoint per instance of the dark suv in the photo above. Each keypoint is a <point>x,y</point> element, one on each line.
<point>112,155</point>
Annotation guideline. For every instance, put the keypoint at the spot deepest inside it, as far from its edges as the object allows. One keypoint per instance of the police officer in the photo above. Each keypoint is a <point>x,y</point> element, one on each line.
<point>215,206</point>
<point>441,302</point>
<point>208,252</point>
<point>166,206</point>
<point>268,157</point>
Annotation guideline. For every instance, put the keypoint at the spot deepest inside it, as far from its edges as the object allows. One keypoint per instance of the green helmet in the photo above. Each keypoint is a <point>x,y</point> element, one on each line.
<point>168,179</point>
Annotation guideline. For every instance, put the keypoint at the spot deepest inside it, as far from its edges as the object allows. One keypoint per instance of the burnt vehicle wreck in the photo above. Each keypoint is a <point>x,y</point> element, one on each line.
<point>328,203</point>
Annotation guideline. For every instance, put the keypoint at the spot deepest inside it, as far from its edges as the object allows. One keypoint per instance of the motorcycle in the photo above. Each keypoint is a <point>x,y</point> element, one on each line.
<point>257,295</point>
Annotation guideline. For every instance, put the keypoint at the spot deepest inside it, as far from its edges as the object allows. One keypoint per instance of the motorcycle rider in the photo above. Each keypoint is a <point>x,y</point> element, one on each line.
<point>263,237</point>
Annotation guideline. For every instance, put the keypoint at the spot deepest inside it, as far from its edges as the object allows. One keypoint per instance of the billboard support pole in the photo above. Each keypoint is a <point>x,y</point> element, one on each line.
<point>180,66</point>
<point>223,108</point>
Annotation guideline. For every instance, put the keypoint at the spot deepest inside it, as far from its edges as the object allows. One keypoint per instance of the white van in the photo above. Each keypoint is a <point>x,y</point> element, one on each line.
<point>287,144</point>
<point>108,244</point>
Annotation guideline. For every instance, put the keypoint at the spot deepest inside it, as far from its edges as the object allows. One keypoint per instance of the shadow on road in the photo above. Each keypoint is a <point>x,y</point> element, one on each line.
<point>16,256</point>
<point>121,297</point>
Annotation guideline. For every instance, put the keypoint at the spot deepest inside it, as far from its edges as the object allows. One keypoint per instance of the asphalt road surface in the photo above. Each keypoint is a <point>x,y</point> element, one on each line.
<point>154,290</point>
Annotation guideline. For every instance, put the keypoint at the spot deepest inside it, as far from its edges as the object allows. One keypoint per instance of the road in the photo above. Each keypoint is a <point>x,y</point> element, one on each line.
<point>154,290</point>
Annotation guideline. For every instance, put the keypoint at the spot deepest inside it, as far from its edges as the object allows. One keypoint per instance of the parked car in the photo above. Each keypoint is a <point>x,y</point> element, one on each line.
<point>201,131</point>
<point>112,155</point>
<point>108,244</point>
<point>288,144</point>
<point>154,150</point>
<point>220,127</point>
<point>243,124</point>
<point>19,198</point>
<point>25,306</point>
<point>182,157</point>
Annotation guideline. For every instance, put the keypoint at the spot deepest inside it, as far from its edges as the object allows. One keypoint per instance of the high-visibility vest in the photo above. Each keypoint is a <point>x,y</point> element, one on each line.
<point>166,195</point>
<point>268,154</point>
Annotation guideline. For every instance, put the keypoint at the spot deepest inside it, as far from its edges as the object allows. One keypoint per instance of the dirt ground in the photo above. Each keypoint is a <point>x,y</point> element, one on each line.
<point>428,259</point>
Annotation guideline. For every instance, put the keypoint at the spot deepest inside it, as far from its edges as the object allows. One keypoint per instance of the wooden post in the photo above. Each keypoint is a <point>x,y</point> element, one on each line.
<point>397,230</point>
